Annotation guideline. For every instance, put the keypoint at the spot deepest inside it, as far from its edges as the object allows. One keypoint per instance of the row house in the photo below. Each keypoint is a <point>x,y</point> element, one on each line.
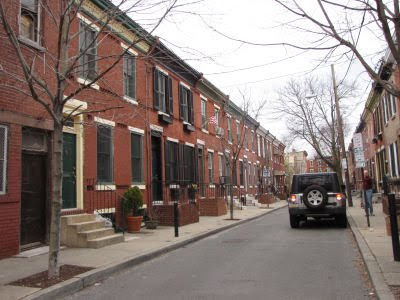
<point>380,129</point>
<point>317,165</point>
<point>152,121</point>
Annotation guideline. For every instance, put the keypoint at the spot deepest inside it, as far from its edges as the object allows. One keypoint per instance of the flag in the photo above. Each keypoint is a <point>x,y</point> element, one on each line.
<point>212,120</point>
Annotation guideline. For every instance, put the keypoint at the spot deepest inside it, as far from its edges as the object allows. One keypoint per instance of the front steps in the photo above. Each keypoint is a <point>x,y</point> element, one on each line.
<point>84,231</point>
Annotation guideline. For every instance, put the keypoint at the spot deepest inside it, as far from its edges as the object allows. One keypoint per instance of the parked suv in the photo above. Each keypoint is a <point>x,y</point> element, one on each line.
<point>316,195</point>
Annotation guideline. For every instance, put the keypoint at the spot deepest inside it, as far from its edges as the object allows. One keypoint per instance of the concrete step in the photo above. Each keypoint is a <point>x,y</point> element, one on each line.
<point>71,219</point>
<point>105,241</point>
<point>96,233</point>
<point>86,226</point>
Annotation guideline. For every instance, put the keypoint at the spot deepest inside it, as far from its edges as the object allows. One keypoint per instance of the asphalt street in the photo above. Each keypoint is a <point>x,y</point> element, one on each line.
<point>261,259</point>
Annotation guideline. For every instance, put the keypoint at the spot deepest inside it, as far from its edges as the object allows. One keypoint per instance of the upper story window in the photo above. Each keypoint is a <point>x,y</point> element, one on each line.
<point>389,106</point>
<point>130,76</point>
<point>228,120</point>
<point>210,167</point>
<point>216,113</point>
<point>3,159</point>
<point>238,131</point>
<point>163,92</point>
<point>204,121</point>
<point>29,21</point>
<point>186,104</point>
<point>87,51</point>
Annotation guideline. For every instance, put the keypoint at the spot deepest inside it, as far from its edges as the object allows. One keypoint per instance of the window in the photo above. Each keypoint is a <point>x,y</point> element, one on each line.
<point>220,166</point>
<point>204,120</point>
<point>3,159</point>
<point>137,157</point>
<point>186,104</point>
<point>87,51</point>
<point>189,169</point>
<point>229,129</point>
<point>130,76</point>
<point>171,161</point>
<point>394,161</point>
<point>210,167</point>
<point>311,163</point>
<point>246,138</point>
<point>258,145</point>
<point>29,21</point>
<point>238,132</point>
<point>104,153</point>
<point>163,92</point>
<point>216,113</point>
<point>241,179</point>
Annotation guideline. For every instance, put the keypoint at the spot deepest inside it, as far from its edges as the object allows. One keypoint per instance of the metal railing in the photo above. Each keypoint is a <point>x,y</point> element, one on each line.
<point>390,184</point>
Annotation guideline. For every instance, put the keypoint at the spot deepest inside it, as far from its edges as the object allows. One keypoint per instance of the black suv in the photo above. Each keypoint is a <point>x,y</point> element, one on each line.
<point>316,195</point>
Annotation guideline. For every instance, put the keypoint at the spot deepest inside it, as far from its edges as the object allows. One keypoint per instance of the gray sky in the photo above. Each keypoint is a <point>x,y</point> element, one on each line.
<point>257,70</point>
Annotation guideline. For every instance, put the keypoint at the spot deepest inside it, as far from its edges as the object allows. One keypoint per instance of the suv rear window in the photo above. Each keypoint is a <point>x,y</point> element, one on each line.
<point>328,181</point>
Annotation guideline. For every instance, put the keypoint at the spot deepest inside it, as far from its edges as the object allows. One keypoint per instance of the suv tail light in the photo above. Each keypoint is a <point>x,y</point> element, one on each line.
<point>293,198</point>
<point>339,197</point>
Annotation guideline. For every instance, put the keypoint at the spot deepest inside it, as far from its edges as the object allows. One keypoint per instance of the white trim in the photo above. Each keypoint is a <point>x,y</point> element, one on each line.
<point>210,150</point>
<point>201,142</point>
<point>217,106</point>
<point>203,97</point>
<point>184,84</point>
<point>172,140</point>
<point>242,186</point>
<point>211,186</point>
<point>240,159</point>
<point>131,100</point>
<point>4,171</point>
<point>140,186</point>
<point>252,131</point>
<point>104,121</point>
<point>230,143</point>
<point>86,82</point>
<point>228,115</point>
<point>88,22</point>
<point>237,121</point>
<point>220,153</point>
<point>174,186</point>
<point>258,161</point>
<point>156,128</point>
<point>136,130</point>
<point>75,104</point>
<point>100,187</point>
<point>254,164</point>
<point>163,113</point>
<point>189,144</point>
<point>99,211</point>
<point>162,70</point>
<point>245,156</point>
<point>130,50</point>
<point>204,130</point>
<point>227,151</point>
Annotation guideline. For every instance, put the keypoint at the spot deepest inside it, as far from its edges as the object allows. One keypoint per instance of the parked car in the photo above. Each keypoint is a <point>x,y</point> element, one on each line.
<point>316,195</point>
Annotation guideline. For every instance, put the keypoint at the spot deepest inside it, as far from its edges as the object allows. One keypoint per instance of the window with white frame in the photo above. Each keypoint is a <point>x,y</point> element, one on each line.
<point>129,76</point>
<point>220,165</point>
<point>216,113</point>
<point>204,120</point>
<point>210,167</point>
<point>3,159</point>
<point>104,153</point>
<point>186,104</point>
<point>163,94</point>
<point>394,160</point>
<point>87,51</point>
<point>29,20</point>
<point>258,146</point>
<point>137,157</point>
<point>238,131</point>
<point>228,120</point>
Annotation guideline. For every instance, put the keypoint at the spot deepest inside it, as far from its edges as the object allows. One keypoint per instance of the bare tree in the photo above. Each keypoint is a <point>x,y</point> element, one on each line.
<point>309,108</point>
<point>336,24</point>
<point>51,82</point>
<point>232,143</point>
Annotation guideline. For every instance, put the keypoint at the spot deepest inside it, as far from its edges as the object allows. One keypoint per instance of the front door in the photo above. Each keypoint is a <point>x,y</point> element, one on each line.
<point>69,171</point>
<point>201,170</point>
<point>156,171</point>
<point>33,199</point>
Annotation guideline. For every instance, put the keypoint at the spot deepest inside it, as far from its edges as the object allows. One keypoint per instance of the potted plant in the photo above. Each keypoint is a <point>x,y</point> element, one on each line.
<point>131,203</point>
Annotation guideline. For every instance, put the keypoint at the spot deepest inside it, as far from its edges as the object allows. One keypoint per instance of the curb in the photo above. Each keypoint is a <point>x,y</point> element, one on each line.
<point>382,290</point>
<point>84,280</point>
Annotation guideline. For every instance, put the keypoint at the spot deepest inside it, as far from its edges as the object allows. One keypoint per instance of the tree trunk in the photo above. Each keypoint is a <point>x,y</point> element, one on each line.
<point>56,199</point>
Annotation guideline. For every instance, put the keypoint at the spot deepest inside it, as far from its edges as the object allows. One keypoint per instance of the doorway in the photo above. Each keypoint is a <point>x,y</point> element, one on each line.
<point>69,171</point>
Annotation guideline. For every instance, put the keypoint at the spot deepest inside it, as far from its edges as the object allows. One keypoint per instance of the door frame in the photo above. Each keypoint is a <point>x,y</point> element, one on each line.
<point>77,107</point>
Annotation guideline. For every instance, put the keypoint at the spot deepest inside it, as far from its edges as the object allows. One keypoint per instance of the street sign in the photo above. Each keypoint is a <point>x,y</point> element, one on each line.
<point>358,150</point>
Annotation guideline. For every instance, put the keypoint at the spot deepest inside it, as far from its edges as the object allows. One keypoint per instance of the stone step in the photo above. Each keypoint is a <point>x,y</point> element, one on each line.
<point>105,241</point>
<point>86,226</point>
<point>71,219</point>
<point>96,233</point>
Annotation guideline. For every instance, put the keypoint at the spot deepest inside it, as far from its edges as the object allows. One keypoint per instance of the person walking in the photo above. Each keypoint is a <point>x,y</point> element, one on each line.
<point>368,192</point>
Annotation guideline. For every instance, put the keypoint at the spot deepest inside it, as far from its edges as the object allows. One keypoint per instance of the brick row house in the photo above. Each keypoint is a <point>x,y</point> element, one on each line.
<point>380,128</point>
<point>146,123</point>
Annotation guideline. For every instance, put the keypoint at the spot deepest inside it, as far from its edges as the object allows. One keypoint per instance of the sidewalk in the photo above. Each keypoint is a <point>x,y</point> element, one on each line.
<point>137,248</point>
<point>376,248</point>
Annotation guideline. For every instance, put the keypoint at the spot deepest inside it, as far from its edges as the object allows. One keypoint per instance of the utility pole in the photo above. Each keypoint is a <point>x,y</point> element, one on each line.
<point>341,138</point>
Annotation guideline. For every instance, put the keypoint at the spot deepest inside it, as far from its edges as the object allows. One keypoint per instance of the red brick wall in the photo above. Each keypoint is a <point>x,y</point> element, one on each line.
<point>188,214</point>
<point>212,206</point>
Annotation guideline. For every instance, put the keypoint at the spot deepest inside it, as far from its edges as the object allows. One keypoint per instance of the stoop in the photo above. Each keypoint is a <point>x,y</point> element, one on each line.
<point>84,231</point>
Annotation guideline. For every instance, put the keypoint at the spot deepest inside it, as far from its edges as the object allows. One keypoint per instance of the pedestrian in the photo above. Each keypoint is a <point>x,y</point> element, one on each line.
<point>368,192</point>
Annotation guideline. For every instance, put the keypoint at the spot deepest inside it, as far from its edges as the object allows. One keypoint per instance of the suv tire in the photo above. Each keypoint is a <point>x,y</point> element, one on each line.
<point>315,197</point>
<point>341,221</point>
<point>294,221</point>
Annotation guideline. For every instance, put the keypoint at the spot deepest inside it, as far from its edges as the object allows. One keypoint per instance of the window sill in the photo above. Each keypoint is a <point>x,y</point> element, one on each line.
<point>141,186</point>
<point>229,142</point>
<point>86,82</point>
<point>30,43</point>
<point>205,130</point>
<point>131,100</point>
<point>212,186</point>
<point>104,187</point>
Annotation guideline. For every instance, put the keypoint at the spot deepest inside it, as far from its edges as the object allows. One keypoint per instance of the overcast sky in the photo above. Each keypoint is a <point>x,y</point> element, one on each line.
<point>257,70</point>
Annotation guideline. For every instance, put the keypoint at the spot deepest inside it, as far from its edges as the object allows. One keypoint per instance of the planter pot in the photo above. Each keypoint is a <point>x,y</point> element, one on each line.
<point>151,224</point>
<point>134,223</point>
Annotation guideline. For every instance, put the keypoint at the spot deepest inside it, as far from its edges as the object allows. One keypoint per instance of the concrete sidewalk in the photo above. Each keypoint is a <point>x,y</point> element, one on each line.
<point>376,248</point>
<point>137,248</point>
